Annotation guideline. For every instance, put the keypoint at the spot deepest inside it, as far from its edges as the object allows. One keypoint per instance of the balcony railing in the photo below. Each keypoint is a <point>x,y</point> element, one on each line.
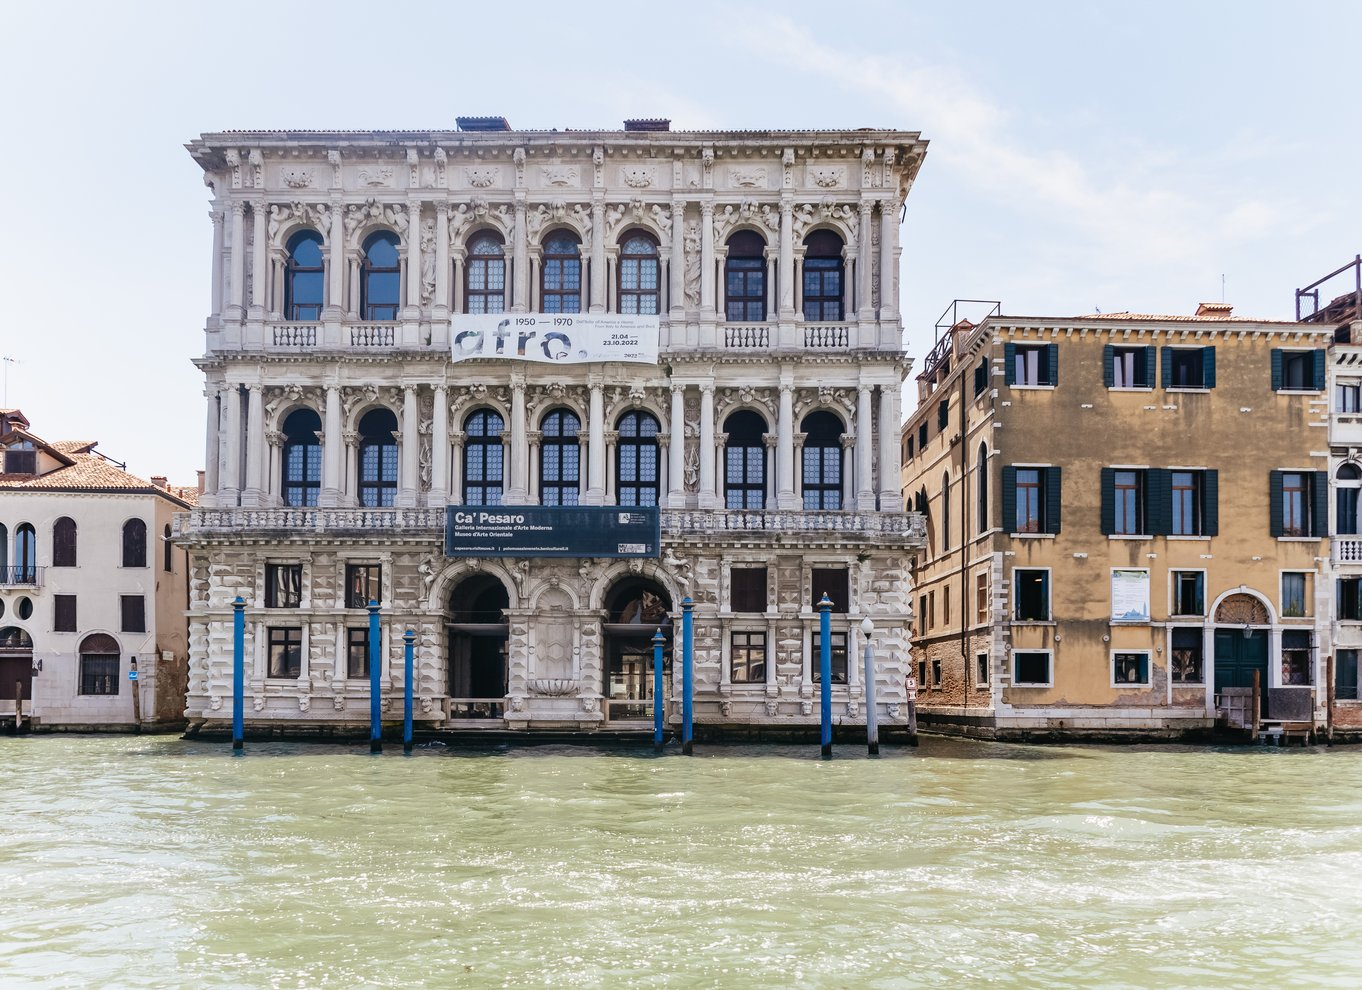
<point>315,520</point>
<point>369,335</point>
<point>743,338</point>
<point>827,336</point>
<point>1347,549</point>
<point>291,336</point>
<point>793,521</point>
<point>21,576</point>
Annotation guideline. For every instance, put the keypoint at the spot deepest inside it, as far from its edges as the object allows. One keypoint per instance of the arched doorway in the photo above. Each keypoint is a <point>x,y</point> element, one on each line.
<point>1242,624</point>
<point>635,609</point>
<point>16,664</point>
<point>477,628</point>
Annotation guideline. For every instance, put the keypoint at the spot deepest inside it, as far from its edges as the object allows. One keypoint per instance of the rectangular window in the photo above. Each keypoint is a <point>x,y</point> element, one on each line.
<point>1189,593</point>
<point>1295,504</point>
<point>981,378</point>
<point>99,674</point>
<point>922,437</point>
<point>747,589</point>
<point>63,613</point>
<point>133,611</point>
<point>286,652</point>
<point>1031,669</point>
<point>922,674</point>
<point>1128,507</point>
<point>981,602</point>
<point>908,449</point>
<point>283,585</point>
<point>1131,367</point>
<point>936,673</point>
<point>357,652</point>
<point>363,584</point>
<point>838,646</point>
<point>1296,655</point>
<point>1031,591</point>
<point>1295,594</point>
<point>981,670</point>
<point>1130,669</point>
<point>1298,371</point>
<point>1031,497</point>
<point>1348,600</point>
<point>1348,397</point>
<point>1188,499</point>
<point>830,581</point>
<point>943,414</point>
<point>1186,666</point>
<point>749,657</point>
<point>1188,367</point>
<point>931,609</point>
<point>1345,510</point>
<point>1345,675</point>
<point>1031,364</point>
<point>1298,503</point>
<point>946,605</point>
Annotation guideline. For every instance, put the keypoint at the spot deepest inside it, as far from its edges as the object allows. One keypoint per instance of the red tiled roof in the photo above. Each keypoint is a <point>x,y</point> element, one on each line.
<point>88,472</point>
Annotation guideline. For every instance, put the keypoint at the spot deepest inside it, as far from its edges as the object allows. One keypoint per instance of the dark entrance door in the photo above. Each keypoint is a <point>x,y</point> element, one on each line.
<point>1236,658</point>
<point>630,674</point>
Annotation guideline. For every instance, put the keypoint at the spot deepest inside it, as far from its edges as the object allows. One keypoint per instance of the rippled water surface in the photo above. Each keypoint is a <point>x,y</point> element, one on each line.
<point>153,862</point>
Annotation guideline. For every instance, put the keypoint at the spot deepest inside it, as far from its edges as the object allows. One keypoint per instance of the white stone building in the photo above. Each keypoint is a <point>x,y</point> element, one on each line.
<point>339,430</point>
<point>91,587</point>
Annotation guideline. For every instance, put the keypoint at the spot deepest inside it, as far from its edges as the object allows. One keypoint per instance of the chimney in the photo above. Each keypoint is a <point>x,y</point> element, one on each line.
<point>1214,311</point>
<point>200,481</point>
<point>159,480</point>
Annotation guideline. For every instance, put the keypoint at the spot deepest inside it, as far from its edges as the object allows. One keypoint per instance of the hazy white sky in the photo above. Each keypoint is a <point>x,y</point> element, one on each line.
<point>1083,155</point>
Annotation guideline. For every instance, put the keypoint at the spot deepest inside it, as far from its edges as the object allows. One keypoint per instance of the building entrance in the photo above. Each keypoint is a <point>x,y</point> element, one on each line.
<point>1238,653</point>
<point>477,632</point>
<point>636,609</point>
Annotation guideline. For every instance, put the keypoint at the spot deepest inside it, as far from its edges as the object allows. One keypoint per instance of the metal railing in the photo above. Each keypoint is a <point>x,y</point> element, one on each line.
<point>21,575</point>
<point>628,709</point>
<point>1342,308</point>
<point>475,709</point>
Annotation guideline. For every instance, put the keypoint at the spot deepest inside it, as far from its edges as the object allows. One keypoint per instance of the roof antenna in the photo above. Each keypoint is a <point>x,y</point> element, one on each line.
<point>7,360</point>
<point>1222,286</point>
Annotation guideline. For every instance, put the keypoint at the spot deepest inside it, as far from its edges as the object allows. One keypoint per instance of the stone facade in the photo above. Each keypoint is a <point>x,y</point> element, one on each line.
<point>652,222</point>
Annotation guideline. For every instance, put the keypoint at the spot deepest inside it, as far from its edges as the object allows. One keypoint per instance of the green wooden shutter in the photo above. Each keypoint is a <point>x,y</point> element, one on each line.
<point>1319,507</point>
<point>1319,357</point>
<point>1009,500</point>
<point>1208,367</point>
<point>1050,524</point>
<point>1276,369</point>
<point>1210,502</point>
<point>1150,360</point>
<point>1010,364</point>
<point>1051,364</point>
<point>1108,514</point>
<point>1108,365</point>
<point>1045,594</point>
<point>1274,503</point>
<point>1158,501</point>
<point>1168,367</point>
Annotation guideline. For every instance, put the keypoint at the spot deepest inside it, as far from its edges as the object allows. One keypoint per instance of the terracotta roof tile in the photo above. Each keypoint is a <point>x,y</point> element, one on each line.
<point>89,472</point>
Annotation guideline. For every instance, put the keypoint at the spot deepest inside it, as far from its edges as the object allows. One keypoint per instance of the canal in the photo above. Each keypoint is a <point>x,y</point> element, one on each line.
<point>154,862</point>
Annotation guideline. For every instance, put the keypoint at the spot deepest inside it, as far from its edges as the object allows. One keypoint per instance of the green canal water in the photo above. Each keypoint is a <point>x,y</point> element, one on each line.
<point>154,862</point>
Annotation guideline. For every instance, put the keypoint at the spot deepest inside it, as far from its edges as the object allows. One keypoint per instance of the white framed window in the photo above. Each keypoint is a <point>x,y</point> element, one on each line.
<point>1186,664</point>
<point>981,670</point>
<point>1031,594</point>
<point>1033,668</point>
<point>1348,397</point>
<point>1295,601</point>
<point>1129,668</point>
<point>1187,592</point>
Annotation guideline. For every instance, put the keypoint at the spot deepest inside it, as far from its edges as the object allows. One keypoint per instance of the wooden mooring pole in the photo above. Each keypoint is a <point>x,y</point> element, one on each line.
<point>1257,705</point>
<point>1329,700</point>
<point>18,706</point>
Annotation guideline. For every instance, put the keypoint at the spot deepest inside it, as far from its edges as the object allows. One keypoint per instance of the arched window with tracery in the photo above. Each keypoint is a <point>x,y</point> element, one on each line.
<point>380,277</point>
<point>745,277</point>
<point>822,461</point>
<point>377,458</point>
<point>745,461</point>
<point>636,465</point>
<point>134,543</point>
<point>64,542</point>
<point>485,275</point>
<point>823,277</point>
<point>483,457</point>
<point>640,276</point>
<point>560,274</point>
<point>560,458</point>
<point>304,277</point>
<point>302,458</point>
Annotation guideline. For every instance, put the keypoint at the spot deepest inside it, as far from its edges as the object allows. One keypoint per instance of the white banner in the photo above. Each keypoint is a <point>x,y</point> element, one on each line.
<point>556,338</point>
<point>1129,595</point>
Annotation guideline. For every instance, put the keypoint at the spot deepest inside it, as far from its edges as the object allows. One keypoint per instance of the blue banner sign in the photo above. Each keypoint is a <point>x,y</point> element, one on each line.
<point>552,531</point>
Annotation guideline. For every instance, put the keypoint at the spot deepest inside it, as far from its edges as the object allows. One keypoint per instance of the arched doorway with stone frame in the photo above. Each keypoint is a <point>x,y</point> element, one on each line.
<point>636,607</point>
<point>477,631</point>
<point>1241,635</point>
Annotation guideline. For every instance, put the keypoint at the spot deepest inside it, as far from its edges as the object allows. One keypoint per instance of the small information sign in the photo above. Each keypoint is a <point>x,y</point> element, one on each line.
<point>552,531</point>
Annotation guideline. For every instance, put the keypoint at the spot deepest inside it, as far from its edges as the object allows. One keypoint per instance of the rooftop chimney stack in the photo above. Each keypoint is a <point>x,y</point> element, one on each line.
<point>1214,310</point>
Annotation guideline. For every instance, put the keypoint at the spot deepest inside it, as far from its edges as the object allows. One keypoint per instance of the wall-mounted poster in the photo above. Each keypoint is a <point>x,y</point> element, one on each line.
<point>555,338</point>
<point>1129,595</point>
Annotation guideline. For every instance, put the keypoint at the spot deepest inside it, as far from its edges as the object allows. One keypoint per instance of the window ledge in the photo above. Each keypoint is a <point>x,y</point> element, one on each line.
<point>1187,615</point>
<point>1033,687</point>
<point>1299,391</point>
<point>1033,622</point>
<point>1032,388</point>
<point>1173,388</point>
<point>1032,536</point>
<point>1200,685</point>
<point>1128,536</point>
<point>1130,388</point>
<point>1127,686</point>
<point>1190,538</point>
<point>1131,622</point>
<point>1300,539</point>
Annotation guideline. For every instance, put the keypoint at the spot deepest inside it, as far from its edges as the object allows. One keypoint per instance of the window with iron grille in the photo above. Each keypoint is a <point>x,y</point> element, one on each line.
<point>483,456</point>
<point>636,463</point>
<point>560,459</point>
<point>99,673</point>
<point>1186,664</point>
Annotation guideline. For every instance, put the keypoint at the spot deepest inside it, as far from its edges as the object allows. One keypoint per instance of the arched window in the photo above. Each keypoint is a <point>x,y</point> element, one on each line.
<point>99,663</point>
<point>377,458</point>
<point>25,554</point>
<point>134,543</point>
<point>560,459</point>
<point>981,485</point>
<point>304,278</point>
<point>4,550</point>
<point>822,468</point>
<point>380,284</point>
<point>745,461</point>
<point>1347,486</point>
<point>945,511</point>
<point>640,276</point>
<point>745,277</point>
<point>64,542</point>
<point>482,458</point>
<point>822,277</point>
<point>560,274</point>
<point>485,275</point>
<point>302,481</point>
<point>167,551</point>
<point>636,462</point>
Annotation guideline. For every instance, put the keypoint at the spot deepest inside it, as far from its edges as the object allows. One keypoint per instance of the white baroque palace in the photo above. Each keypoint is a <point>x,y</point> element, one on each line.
<point>339,429</point>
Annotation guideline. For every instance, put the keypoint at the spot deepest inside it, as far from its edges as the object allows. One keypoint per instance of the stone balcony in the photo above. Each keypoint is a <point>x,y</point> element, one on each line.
<point>1346,550</point>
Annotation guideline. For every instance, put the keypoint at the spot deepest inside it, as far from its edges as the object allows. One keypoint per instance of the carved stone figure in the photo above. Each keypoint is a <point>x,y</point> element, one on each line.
<point>692,243</point>
<point>427,261</point>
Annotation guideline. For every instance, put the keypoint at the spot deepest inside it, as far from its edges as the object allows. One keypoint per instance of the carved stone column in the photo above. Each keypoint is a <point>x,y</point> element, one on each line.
<point>787,272</point>
<point>771,463</point>
<point>413,261</point>
<point>676,451</point>
<point>720,470</point>
<point>785,471</point>
<point>889,234</point>
<point>440,305</point>
<point>799,439</point>
<point>598,290</point>
<point>218,275</point>
<point>708,499</point>
<point>236,308</point>
<point>457,255</point>
<point>231,450</point>
<point>456,439</point>
<point>274,487</point>
<point>865,488</point>
<point>335,260</point>
<point>212,454</point>
<point>678,269</point>
<point>255,444</point>
<point>707,291</point>
<point>865,301</point>
<point>409,482</point>
<point>891,496</point>
<point>664,440</point>
<point>520,256</point>
<point>535,439</point>
<point>331,448</point>
<point>612,438</point>
<point>519,490</point>
<point>439,450</point>
<point>595,454</point>
<point>848,474</point>
<point>349,461</point>
<point>258,261</point>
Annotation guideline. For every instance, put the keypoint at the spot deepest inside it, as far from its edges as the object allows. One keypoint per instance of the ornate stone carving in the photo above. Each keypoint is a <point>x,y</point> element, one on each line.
<point>333,158</point>
<point>376,175</point>
<point>413,169</point>
<point>591,705</point>
<point>638,176</point>
<point>427,262</point>
<point>559,175</point>
<point>893,710</point>
<point>215,702</point>
<point>482,176</point>
<point>853,709</point>
<point>772,706</point>
<point>1241,609</point>
<point>680,567</point>
<point>427,705</point>
<point>746,212</point>
<point>258,702</point>
<point>457,218</point>
<point>441,166</point>
<point>750,176</point>
<point>692,262</point>
<point>304,702</point>
<point>359,215</point>
<point>297,178</point>
<point>338,702</point>
<point>828,176</point>
<point>725,708</point>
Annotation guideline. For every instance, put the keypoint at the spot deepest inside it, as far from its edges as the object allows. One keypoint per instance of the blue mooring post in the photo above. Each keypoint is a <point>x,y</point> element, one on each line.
<point>687,672</point>
<point>375,702</point>
<point>657,691</point>
<point>825,671</point>
<point>408,638</point>
<point>238,671</point>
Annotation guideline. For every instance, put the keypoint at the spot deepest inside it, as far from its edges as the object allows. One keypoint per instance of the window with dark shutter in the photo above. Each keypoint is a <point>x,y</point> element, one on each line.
<point>981,378</point>
<point>63,613</point>
<point>748,589</point>
<point>134,543</point>
<point>133,611</point>
<point>64,542</point>
<point>830,581</point>
<point>167,552</point>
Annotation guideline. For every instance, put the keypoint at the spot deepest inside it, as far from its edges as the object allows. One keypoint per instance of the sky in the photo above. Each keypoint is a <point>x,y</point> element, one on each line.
<point>1083,156</point>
